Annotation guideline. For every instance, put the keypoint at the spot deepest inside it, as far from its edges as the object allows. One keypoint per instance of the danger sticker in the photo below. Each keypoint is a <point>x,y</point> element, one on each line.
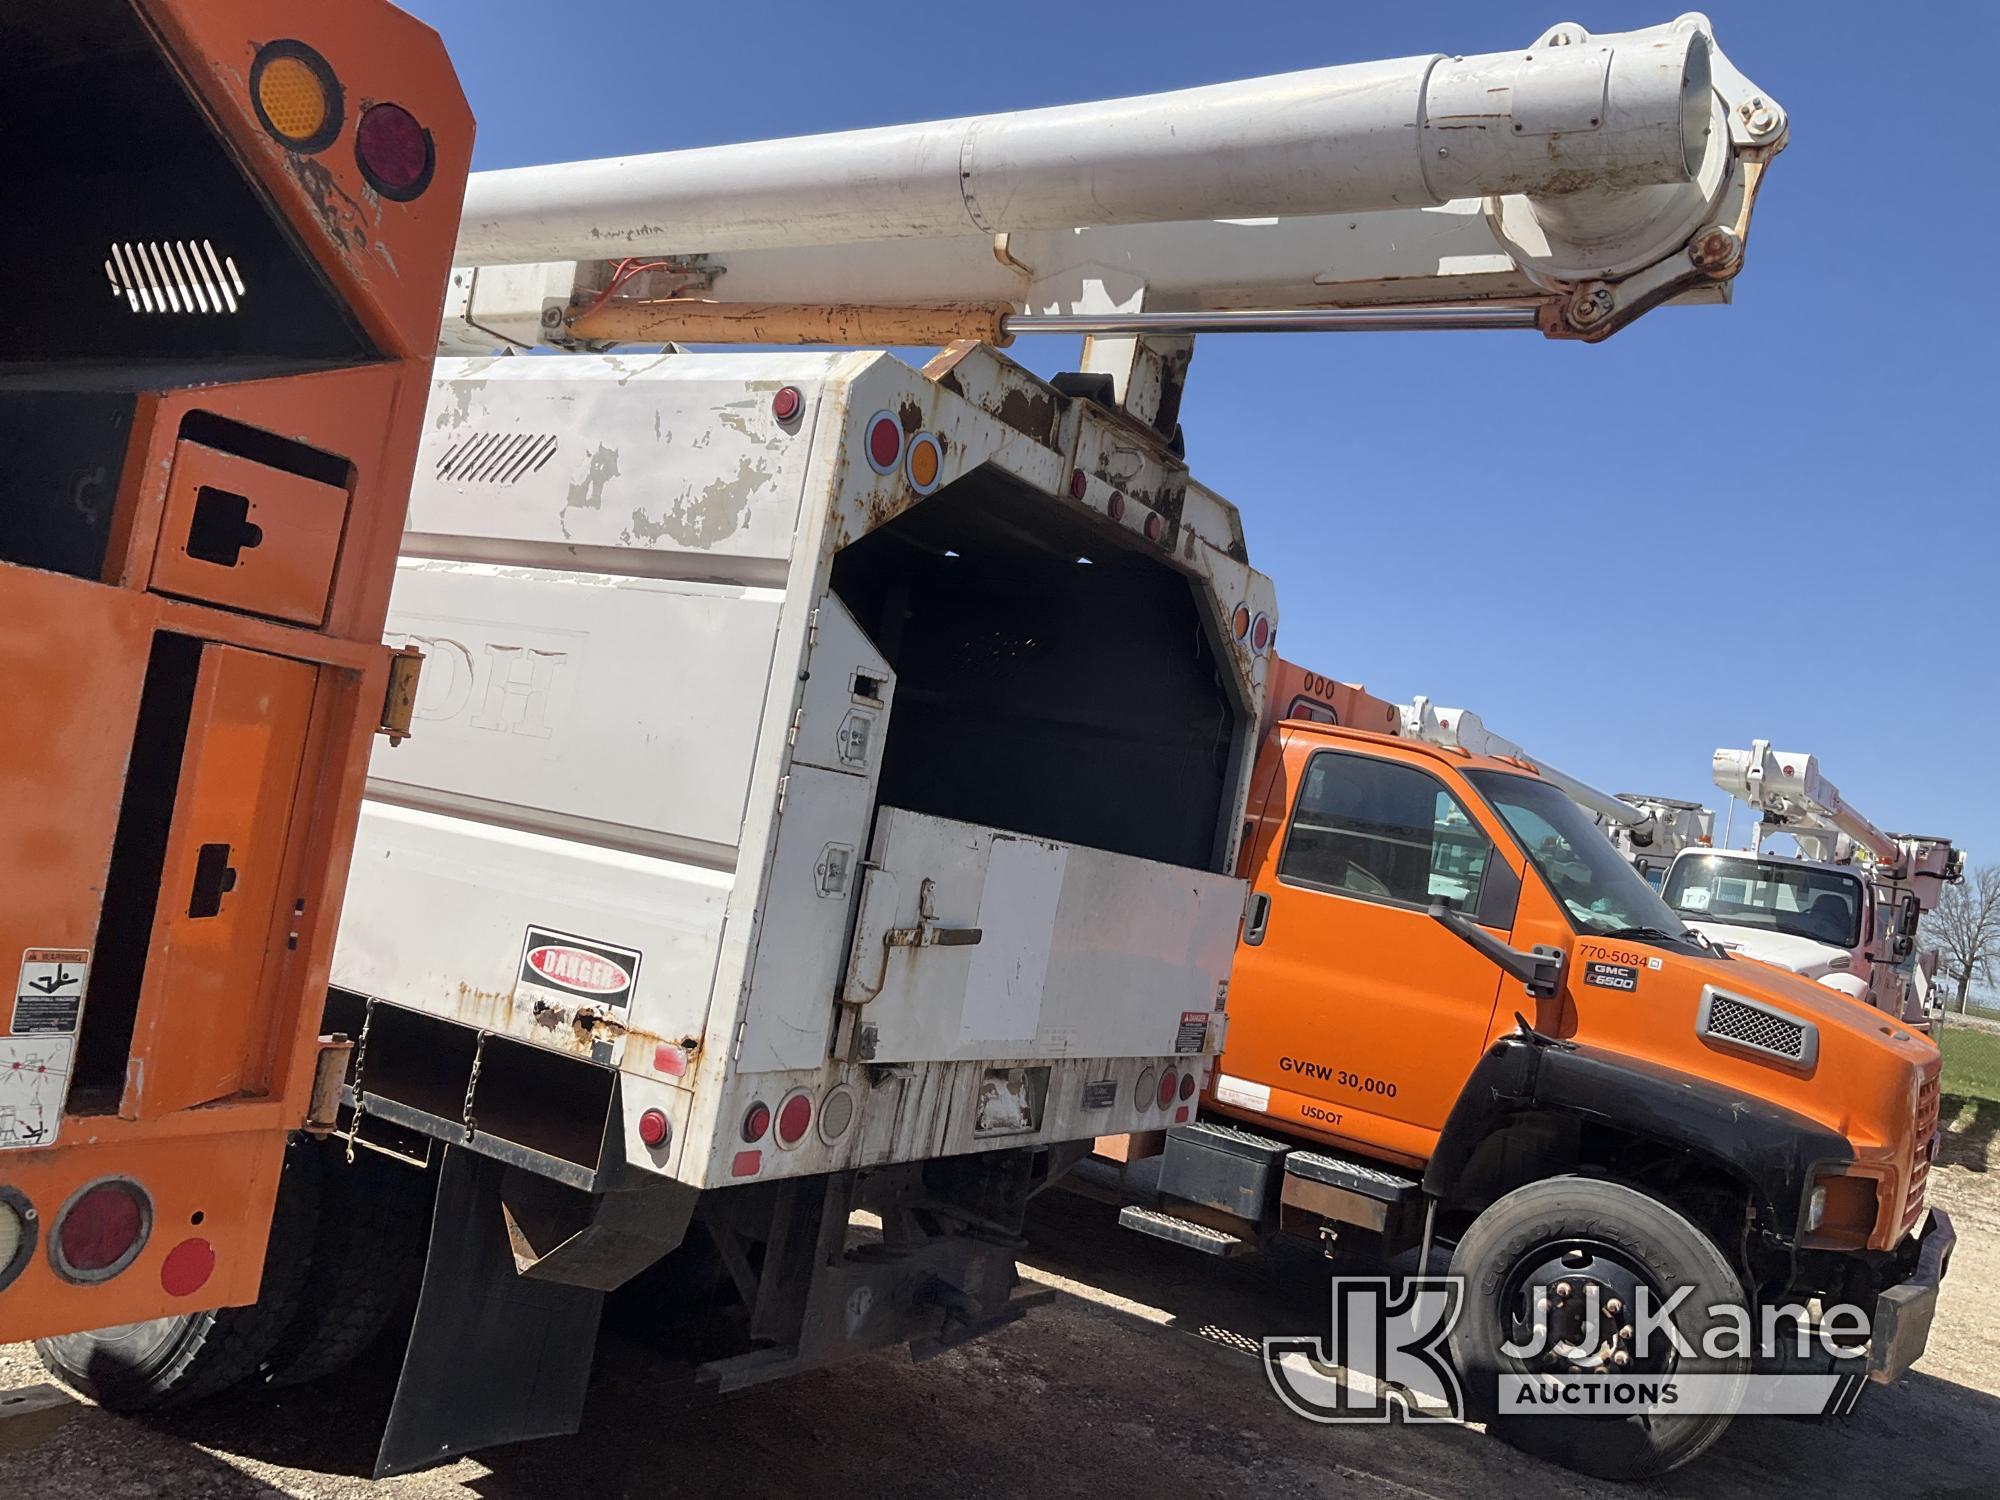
<point>1193,1033</point>
<point>1611,976</point>
<point>579,967</point>
<point>48,997</point>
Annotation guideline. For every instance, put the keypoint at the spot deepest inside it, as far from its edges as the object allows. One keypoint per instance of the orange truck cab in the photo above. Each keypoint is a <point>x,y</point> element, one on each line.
<point>1456,1012</point>
<point>242,218</point>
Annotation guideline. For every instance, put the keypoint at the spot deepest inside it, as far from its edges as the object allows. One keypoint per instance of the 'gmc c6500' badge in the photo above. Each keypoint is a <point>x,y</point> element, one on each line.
<point>583,967</point>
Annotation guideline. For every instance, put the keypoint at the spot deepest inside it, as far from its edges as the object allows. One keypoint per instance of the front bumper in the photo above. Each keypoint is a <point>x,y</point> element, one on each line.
<point>1903,1312</point>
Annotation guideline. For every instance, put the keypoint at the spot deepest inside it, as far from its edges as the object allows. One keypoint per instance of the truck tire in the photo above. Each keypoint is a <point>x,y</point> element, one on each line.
<point>366,1264</point>
<point>1576,1231</point>
<point>169,1361</point>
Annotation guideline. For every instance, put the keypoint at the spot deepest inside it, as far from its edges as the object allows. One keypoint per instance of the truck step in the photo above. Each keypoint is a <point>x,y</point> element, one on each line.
<point>1184,1232</point>
<point>1368,1180</point>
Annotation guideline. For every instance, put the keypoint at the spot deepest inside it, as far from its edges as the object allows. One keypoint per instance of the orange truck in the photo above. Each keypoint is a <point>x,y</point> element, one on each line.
<point>243,222</point>
<point>1457,1015</point>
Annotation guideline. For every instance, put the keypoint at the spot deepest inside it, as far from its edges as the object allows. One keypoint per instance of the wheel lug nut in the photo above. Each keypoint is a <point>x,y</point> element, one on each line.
<point>1562,1291</point>
<point>1621,1359</point>
<point>1613,1308</point>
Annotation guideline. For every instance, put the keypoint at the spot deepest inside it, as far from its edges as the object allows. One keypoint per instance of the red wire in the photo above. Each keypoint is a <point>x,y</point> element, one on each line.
<point>621,272</point>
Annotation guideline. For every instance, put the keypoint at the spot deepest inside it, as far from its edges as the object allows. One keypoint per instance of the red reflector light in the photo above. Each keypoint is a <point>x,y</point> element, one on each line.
<point>187,1268</point>
<point>670,1060</point>
<point>1181,1115</point>
<point>1156,527</point>
<point>795,1117</point>
<point>395,152</point>
<point>101,1230</point>
<point>1077,484</point>
<point>746,1164</point>
<point>1170,1084</point>
<point>1116,506</point>
<point>655,1129</point>
<point>756,1120</point>
<point>788,403</point>
<point>885,443</point>
<point>1260,632</point>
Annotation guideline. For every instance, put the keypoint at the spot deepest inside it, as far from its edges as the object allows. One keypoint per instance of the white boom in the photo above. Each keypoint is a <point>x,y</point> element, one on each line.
<point>1569,185</point>
<point>1462,729</point>
<point>1648,831</point>
<point>1789,795</point>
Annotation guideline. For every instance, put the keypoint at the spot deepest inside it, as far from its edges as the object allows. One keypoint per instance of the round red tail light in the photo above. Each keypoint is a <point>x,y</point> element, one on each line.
<point>1077,484</point>
<point>1115,506</point>
<point>1170,1084</point>
<point>101,1230</point>
<point>795,1117</point>
<point>1156,527</point>
<point>1260,632</point>
<point>787,403</point>
<point>395,153</point>
<point>885,443</point>
<point>756,1120</point>
<point>655,1129</point>
<point>1187,1086</point>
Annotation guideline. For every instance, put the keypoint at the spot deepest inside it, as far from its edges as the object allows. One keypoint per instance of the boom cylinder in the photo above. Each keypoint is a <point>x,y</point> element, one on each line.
<point>1565,116</point>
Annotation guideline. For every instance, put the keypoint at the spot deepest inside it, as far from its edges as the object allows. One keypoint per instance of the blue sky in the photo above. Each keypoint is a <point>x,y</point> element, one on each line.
<point>1774,519</point>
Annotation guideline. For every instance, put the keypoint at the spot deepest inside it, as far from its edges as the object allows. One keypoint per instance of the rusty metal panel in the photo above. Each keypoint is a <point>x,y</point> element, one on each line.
<point>247,536</point>
<point>203,1015</point>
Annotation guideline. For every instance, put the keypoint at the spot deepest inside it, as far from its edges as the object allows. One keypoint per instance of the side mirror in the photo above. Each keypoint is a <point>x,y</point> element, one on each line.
<point>1540,969</point>
<point>1904,945</point>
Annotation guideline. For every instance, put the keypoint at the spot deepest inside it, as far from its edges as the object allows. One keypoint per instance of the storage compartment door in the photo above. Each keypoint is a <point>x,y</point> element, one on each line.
<point>204,1015</point>
<point>971,944</point>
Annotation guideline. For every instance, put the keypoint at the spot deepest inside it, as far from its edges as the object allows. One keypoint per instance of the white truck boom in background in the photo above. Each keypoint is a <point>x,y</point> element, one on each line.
<point>826,775</point>
<point>1844,911</point>
<point>1648,831</point>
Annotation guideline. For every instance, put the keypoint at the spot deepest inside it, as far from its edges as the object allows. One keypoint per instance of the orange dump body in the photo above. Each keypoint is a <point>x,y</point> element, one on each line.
<point>207,431</point>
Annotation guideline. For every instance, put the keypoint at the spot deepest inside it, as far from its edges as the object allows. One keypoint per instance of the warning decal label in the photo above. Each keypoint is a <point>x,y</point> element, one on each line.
<point>48,997</point>
<point>34,1079</point>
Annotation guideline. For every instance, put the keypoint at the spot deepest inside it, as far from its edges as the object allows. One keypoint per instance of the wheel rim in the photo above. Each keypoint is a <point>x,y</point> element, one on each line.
<point>1586,1292</point>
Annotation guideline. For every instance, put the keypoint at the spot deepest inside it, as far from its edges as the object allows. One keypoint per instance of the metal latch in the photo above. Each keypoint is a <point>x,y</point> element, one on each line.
<point>927,934</point>
<point>399,701</point>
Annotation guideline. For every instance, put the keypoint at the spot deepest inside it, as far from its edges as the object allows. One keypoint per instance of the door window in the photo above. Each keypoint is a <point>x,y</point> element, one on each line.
<point>1384,832</point>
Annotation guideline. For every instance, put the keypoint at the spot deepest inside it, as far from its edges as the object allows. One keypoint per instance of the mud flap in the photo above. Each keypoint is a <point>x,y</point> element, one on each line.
<point>494,1357</point>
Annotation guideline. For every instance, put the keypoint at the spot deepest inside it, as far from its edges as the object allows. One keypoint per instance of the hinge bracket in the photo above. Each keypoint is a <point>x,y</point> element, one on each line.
<point>399,698</point>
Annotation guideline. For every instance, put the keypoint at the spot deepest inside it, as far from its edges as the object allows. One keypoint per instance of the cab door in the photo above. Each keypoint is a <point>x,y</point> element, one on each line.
<point>1353,1013</point>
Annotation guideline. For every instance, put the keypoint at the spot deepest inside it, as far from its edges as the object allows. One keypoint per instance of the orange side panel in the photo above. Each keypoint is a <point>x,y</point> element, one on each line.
<point>199,1018</point>
<point>75,658</point>
<point>247,536</point>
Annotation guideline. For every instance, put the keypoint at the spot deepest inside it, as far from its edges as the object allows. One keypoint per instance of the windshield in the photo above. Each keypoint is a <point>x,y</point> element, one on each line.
<point>1803,900</point>
<point>1601,892</point>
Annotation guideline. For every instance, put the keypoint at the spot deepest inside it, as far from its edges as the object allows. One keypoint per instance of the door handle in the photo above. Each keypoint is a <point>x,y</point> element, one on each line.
<point>1257,919</point>
<point>214,878</point>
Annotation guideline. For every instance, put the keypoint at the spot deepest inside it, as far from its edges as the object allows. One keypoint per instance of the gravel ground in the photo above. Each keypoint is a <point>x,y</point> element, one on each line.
<point>1140,1380</point>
